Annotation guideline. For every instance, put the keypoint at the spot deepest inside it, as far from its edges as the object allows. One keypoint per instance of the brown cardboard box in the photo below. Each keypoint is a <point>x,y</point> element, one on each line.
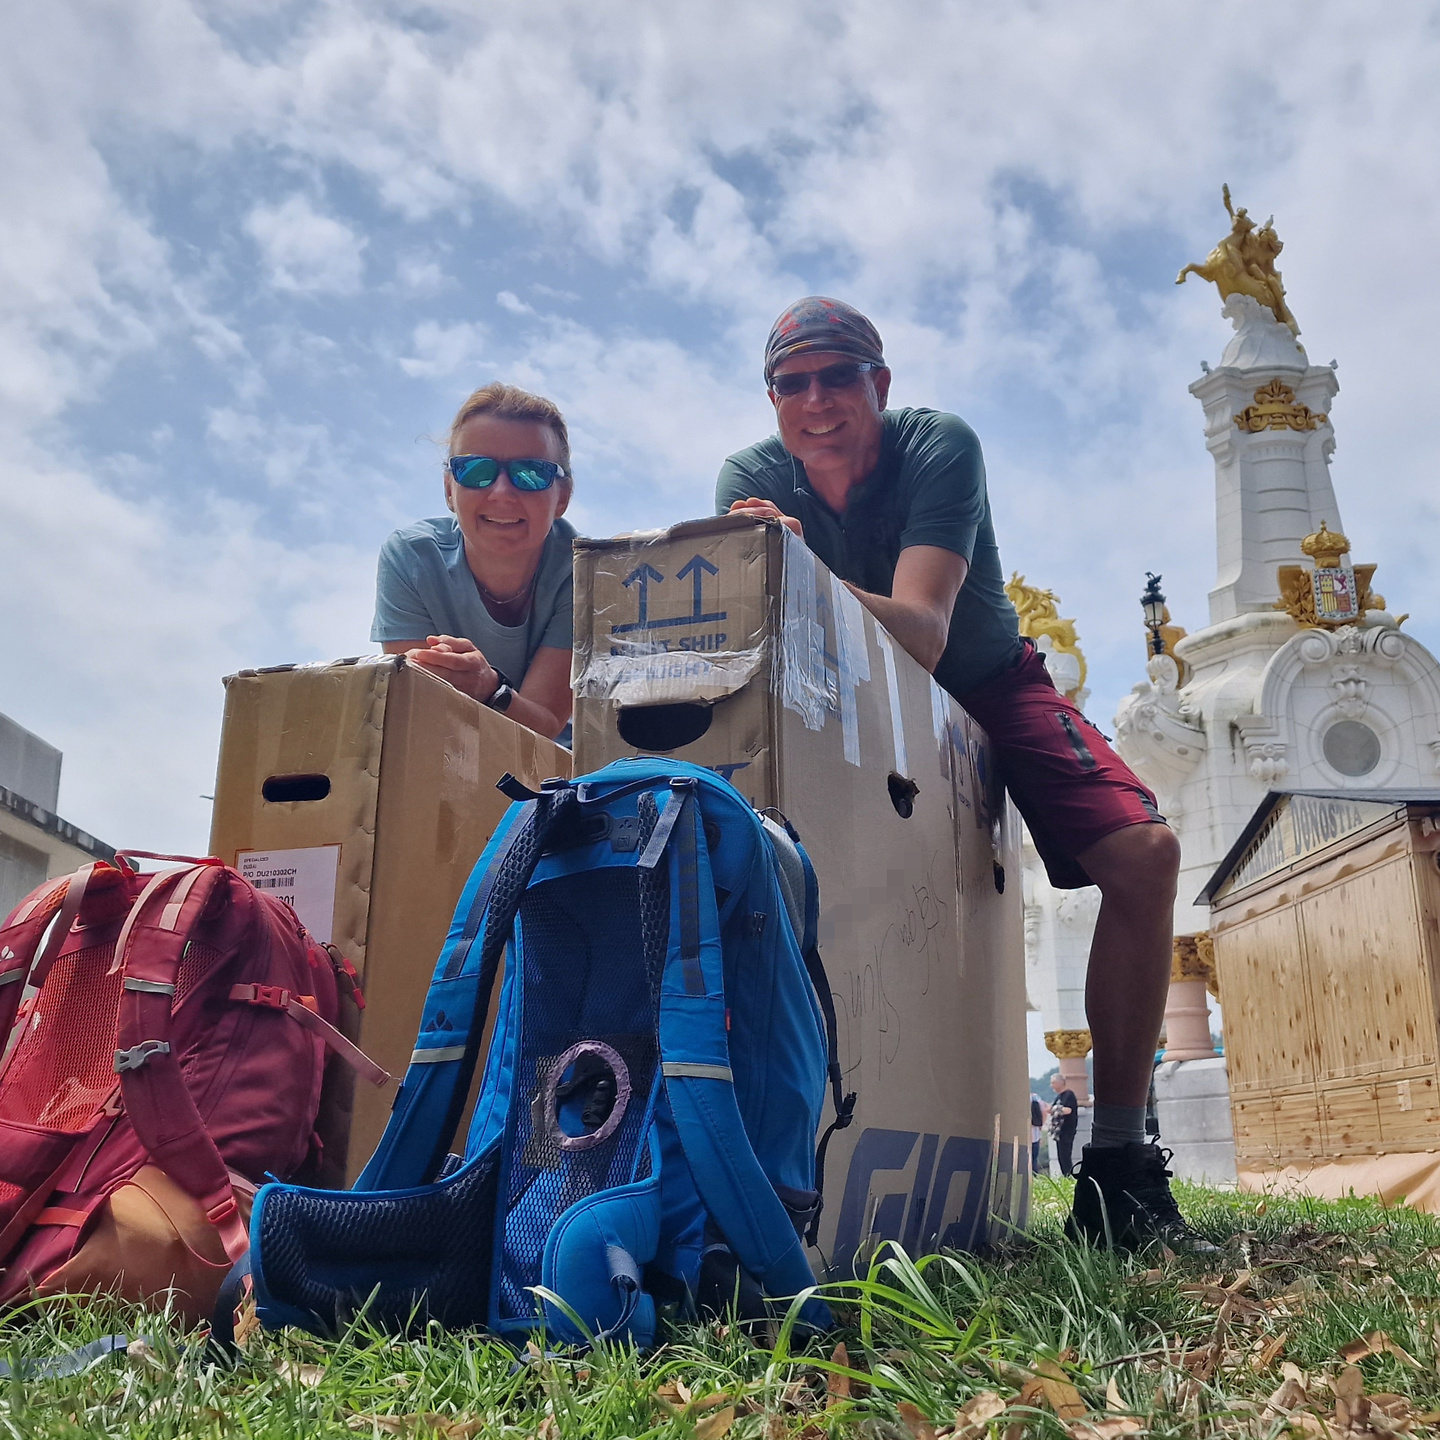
<point>363,792</point>
<point>725,642</point>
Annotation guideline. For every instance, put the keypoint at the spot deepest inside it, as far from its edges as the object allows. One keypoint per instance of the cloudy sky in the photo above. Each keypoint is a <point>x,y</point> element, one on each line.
<point>253,253</point>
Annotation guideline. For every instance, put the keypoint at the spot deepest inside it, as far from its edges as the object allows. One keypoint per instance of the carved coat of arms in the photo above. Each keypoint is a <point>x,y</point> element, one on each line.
<point>1333,593</point>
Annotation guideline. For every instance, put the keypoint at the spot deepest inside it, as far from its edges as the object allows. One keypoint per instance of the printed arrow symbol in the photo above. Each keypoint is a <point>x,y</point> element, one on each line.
<point>641,575</point>
<point>697,566</point>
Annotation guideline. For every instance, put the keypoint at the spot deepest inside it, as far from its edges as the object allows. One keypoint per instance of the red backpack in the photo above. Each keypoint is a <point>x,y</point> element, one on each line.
<point>170,1055</point>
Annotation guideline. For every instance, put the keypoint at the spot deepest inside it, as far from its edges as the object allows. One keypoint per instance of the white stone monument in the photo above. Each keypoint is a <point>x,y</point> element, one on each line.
<point>1301,680</point>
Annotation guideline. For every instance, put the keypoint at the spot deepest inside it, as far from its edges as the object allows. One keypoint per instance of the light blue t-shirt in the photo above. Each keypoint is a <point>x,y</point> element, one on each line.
<point>424,587</point>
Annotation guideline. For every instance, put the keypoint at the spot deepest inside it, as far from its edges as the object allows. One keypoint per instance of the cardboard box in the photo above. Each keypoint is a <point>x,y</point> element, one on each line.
<point>725,642</point>
<point>363,792</point>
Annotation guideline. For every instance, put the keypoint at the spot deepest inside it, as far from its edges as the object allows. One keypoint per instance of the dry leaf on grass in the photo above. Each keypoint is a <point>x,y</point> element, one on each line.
<point>547,1429</point>
<point>976,1413</point>
<point>1111,1428</point>
<point>1201,1361</point>
<point>307,1375</point>
<point>1113,1399</point>
<point>915,1421</point>
<point>1377,1342</point>
<point>1032,1393</point>
<point>248,1324</point>
<point>1289,1394</point>
<point>720,1397</point>
<point>715,1424</point>
<point>674,1395</point>
<point>143,1351</point>
<point>843,1387</point>
<point>1267,1352</point>
<point>1061,1396</point>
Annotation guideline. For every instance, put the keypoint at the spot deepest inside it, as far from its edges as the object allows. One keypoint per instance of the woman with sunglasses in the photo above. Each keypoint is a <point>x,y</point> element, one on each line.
<point>482,596</point>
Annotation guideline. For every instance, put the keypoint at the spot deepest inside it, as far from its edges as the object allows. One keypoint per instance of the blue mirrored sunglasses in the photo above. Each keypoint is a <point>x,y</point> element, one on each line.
<point>479,472</point>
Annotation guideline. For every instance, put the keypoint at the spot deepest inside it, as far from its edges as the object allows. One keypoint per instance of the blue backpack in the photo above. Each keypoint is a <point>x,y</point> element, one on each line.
<point>643,1141</point>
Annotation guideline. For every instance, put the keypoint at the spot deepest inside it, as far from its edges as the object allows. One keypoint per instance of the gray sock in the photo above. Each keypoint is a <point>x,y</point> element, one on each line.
<point>1117,1125</point>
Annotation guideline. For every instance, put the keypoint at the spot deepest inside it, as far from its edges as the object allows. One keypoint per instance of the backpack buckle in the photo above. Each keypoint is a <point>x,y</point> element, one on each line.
<point>137,1055</point>
<point>273,997</point>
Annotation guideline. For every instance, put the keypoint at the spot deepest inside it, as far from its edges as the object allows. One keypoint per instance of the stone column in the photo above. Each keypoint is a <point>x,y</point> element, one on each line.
<point>1187,1014</point>
<point>1070,1047</point>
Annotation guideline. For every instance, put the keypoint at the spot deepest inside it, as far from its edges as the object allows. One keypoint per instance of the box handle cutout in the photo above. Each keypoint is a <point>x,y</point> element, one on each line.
<point>296,787</point>
<point>902,794</point>
<point>663,727</point>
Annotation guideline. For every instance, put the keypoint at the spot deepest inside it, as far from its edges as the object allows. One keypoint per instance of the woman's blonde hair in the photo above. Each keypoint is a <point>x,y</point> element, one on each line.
<point>509,402</point>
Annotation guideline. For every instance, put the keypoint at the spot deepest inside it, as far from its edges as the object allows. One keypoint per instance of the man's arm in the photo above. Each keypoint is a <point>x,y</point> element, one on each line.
<point>918,609</point>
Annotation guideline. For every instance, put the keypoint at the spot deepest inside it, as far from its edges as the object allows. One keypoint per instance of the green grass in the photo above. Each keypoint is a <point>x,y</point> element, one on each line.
<point>1186,1356</point>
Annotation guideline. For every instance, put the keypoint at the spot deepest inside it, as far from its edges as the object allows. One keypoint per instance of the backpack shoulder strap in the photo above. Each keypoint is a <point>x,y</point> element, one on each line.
<point>695,1061</point>
<point>815,968</point>
<point>57,900</point>
<point>161,1108</point>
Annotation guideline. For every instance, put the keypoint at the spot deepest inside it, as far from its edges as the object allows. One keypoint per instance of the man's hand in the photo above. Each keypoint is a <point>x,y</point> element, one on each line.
<point>765,510</point>
<point>459,661</point>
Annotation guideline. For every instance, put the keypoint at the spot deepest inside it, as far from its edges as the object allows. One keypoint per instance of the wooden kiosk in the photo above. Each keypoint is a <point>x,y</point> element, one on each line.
<point>1325,917</point>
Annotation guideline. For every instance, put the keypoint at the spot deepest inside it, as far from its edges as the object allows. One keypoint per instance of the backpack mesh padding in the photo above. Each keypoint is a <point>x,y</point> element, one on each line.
<point>425,1256</point>
<point>65,1062</point>
<point>654,899</point>
<point>585,978</point>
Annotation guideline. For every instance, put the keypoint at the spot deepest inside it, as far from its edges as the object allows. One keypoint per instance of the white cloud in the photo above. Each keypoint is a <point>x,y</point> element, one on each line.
<point>305,252</point>
<point>441,350</point>
<point>1004,188</point>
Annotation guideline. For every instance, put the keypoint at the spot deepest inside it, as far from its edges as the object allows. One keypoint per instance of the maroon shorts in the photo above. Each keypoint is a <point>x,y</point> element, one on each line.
<point>1066,780</point>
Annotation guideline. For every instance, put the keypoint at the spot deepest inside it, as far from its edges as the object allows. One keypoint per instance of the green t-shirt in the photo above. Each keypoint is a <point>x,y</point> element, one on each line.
<point>928,489</point>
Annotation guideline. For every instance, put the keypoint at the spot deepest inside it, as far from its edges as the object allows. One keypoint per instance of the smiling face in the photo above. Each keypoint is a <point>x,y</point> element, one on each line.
<point>835,431</point>
<point>503,526</point>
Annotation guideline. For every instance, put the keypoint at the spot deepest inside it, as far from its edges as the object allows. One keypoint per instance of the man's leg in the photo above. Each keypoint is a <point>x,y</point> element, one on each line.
<point>1122,1191</point>
<point>1064,1144</point>
<point>1129,977</point>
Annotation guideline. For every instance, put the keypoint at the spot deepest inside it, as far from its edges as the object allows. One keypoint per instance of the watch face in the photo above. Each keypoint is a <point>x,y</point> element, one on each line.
<point>502,697</point>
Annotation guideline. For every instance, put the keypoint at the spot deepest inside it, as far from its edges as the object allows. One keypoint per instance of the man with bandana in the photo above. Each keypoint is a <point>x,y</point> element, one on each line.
<point>894,502</point>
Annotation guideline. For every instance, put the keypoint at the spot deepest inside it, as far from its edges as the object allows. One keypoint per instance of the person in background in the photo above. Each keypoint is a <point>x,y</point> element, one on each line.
<point>895,504</point>
<point>1064,1117</point>
<point>1037,1124</point>
<point>482,597</point>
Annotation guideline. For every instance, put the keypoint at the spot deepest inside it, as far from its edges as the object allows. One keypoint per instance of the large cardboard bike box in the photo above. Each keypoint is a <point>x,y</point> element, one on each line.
<point>1325,917</point>
<point>362,792</point>
<point>726,643</point>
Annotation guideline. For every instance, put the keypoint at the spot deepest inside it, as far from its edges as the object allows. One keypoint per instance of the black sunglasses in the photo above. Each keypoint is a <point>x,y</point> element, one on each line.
<point>839,376</point>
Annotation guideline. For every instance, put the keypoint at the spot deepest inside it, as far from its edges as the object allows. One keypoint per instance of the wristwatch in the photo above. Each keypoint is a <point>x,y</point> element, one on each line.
<point>503,693</point>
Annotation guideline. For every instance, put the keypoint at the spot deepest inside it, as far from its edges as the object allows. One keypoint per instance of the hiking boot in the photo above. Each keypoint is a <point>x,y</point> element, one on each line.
<point>1123,1199</point>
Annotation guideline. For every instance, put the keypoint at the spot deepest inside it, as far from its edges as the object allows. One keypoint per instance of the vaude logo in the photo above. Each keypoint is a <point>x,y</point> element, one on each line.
<point>6,953</point>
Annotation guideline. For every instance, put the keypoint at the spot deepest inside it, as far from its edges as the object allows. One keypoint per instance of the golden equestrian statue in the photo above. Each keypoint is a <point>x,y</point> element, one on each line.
<point>1244,263</point>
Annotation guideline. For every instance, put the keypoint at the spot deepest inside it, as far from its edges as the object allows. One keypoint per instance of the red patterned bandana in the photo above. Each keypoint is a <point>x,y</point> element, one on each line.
<point>818,323</point>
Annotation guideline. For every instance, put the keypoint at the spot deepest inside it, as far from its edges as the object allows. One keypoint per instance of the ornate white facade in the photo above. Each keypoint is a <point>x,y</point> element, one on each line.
<point>1266,702</point>
<point>1261,698</point>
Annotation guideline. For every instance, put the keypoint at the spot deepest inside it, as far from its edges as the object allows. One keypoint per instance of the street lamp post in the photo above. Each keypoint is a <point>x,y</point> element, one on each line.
<point>1152,602</point>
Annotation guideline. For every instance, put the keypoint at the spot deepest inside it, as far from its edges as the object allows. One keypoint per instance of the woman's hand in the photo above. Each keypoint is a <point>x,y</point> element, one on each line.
<point>766,510</point>
<point>459,661</point>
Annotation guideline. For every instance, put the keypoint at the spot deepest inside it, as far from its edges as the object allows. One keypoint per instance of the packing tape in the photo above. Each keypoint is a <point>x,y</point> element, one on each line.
<point>641,675</point>
<point>940,716</point>
<point>892,684</point>
<point>804,682</point>
<point>852,655</point>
